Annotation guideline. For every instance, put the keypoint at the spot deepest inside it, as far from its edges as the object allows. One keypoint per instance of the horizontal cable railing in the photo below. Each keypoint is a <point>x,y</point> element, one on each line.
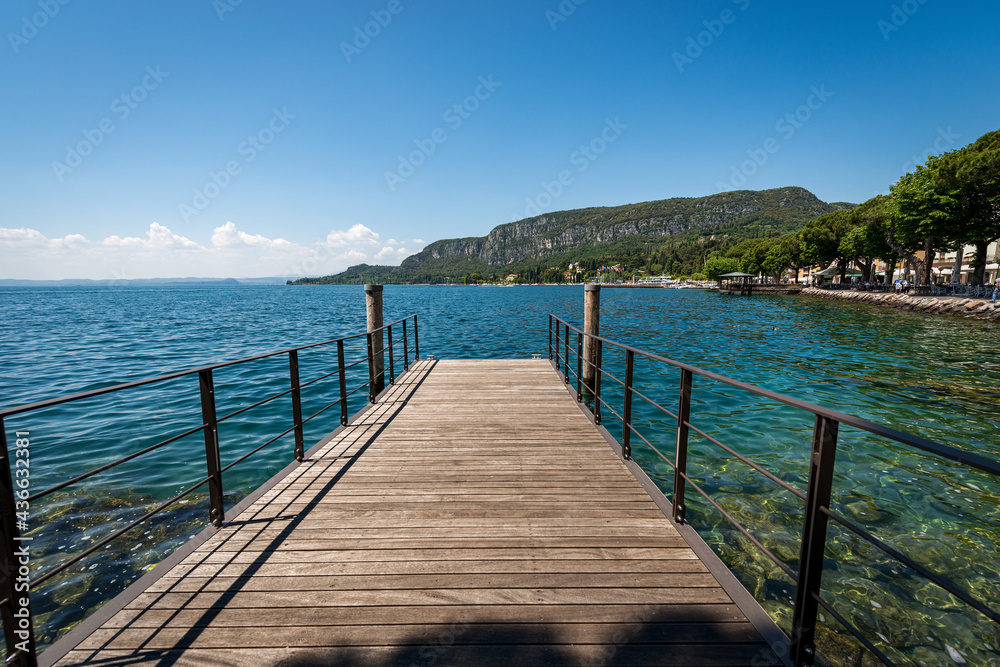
<point>807,600</point>
<point>15,608</point>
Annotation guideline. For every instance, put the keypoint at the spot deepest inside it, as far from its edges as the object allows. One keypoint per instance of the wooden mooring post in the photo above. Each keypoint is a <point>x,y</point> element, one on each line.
<point>592,326</point>
<point>376,344</point>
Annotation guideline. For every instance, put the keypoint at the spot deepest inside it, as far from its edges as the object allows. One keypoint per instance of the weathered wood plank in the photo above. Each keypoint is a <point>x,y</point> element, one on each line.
<point>539,525</point>
<point>320,616</point>
<point>537,650</point>
<point>466,596</point>
<point>409,635</point>
<point>268,569</point>
<point>339,582</point>
<point>301,543</point>
<point>491,530</point>
<point>220,555</point>
<point>607,501</point>
<point>483,510</point>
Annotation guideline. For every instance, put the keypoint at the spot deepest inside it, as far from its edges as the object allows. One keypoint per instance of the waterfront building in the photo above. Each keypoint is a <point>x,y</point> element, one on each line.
<point>944,264</point>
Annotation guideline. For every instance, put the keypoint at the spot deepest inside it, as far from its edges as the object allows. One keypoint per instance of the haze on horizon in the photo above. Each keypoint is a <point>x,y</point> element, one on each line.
<point>225,138</point>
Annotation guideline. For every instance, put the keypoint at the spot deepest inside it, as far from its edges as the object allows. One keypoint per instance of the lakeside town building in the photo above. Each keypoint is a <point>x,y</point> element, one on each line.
<point>945,264</point>
<point>943,268</point>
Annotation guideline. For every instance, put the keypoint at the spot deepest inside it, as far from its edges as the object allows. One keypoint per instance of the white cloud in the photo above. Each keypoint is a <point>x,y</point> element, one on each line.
<point>227,236</point>
<point>70,241</point>
<point>21,238</point>
<point>354,255</point>
<point>356,235</point>
<point>161,253</point>
<point>158,237</point>
<point>391,254</point>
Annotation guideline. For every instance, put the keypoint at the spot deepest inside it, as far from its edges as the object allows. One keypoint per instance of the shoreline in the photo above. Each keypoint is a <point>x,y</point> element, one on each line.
<point>955,306</point>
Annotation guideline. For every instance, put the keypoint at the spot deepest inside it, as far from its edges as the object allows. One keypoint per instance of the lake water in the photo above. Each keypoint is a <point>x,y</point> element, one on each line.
<point>937,377</point>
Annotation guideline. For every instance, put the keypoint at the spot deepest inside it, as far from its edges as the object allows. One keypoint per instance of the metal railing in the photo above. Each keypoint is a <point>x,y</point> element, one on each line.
<point>807,598</point>
<point>15,580</point>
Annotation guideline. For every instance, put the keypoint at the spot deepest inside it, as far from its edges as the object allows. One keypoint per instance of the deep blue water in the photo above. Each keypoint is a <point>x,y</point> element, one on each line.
<point>937,377</point>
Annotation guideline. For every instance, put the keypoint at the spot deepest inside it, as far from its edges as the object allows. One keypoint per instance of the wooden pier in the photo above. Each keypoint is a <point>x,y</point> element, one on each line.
<point>474,516</point>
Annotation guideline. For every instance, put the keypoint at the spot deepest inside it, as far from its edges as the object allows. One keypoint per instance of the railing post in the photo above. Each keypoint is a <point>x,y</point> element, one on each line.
<point>627,412</point>
<point>681,448</point>
<point>376,358</point>
<point>579,368</point>
<point>406,349</point>
<point>392,364</point>
<point>293,374</point>
<point>592,329</point>
<point>217,512</point>
<point>550,336</point>
<point>597,381</point>
<point>343,382</point>
<point>416,340</point>
<point>371,369</point>
<point>821,464</point>
<point>18,622</point>
<point>558,342</point>
<point>566,356</point>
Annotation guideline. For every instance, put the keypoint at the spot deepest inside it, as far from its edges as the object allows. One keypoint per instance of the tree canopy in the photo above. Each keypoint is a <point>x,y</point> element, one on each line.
<point>718,266</point>
<point>950,201</point>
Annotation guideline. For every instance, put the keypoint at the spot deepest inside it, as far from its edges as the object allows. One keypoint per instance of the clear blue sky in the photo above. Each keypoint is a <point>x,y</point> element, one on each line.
<point>312,132</point>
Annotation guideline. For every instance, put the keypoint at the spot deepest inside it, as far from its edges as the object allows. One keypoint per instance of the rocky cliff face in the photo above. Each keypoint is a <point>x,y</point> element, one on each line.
<point>564,230</point>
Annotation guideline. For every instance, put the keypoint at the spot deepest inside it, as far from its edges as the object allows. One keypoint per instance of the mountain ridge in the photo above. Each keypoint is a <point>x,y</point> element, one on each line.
<point>617,228</point>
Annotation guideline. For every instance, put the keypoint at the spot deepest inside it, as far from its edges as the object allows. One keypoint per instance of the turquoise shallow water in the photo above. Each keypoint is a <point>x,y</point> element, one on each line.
<point>933,376</point>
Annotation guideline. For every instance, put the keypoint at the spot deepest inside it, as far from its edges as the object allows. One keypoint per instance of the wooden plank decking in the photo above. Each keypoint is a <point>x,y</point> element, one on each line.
<point>474,517</point>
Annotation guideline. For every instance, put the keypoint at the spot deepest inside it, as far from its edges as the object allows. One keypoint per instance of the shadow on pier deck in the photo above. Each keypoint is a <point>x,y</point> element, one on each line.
<point>474,516</point>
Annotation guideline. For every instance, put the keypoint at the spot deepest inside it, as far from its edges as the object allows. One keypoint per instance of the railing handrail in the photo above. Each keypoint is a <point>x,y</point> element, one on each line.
<point>946,451</point>
<point>59,400</point>
<point>817,497</point>
<point>23,653</point>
